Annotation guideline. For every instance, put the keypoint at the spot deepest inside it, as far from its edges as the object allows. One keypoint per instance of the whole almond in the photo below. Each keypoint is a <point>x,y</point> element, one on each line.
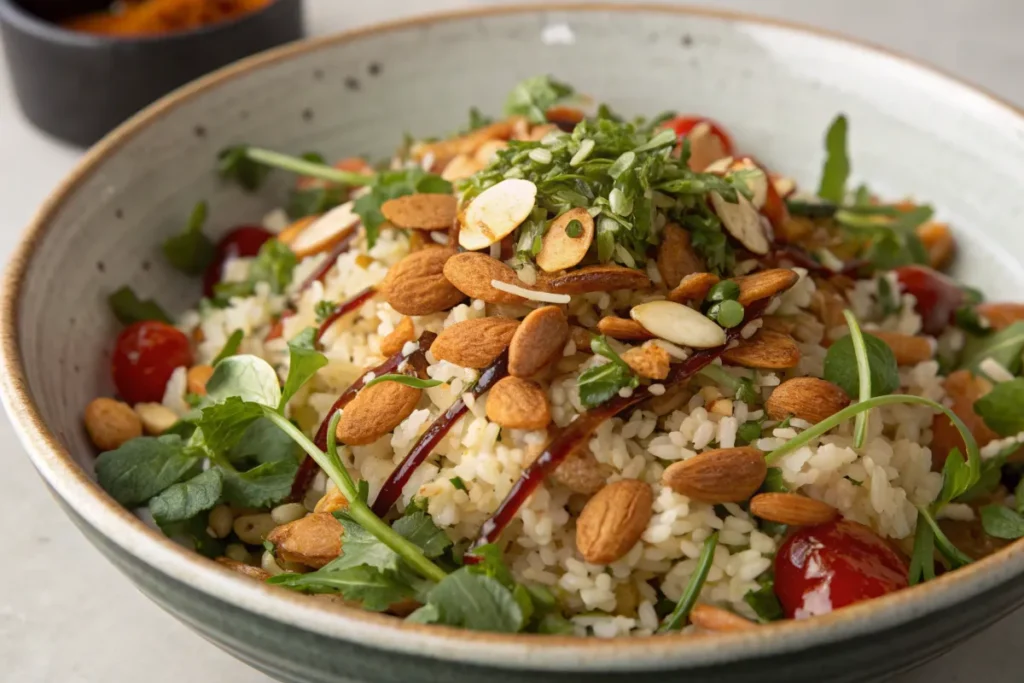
<point>537,341</point>
<point>421,211</point>
<point>723,475</point>
<point>718,620</point>
<point>560,250</point>
<point>908,349</point>
<point>650,361</point>
<point>417,285</point>
<point>243,569</point>
<point>791,508</point>
<point>313,540</point>
<point>472,273</point>
<point>602,278</point>
<point>404,332</point>
<point>765,284</point>
<point>676,258</point>
<point>376,411</point>
<point>623,329</point>
<point>693,287</point>
<point>613,520</point>
<point>807,398</point>
<point>474,343</point>
<point>518,404</point>
<point>765,350</point>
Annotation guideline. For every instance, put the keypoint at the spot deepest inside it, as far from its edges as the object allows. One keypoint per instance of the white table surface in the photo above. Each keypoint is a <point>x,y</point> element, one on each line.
<point>67,615</point>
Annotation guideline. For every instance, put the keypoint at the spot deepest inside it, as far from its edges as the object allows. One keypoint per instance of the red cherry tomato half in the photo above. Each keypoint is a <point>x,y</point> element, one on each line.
<point>822,568</point>
<point>682,125</point>
<point>145,355</point>
<point>243,241</point>
<point>937,296</point>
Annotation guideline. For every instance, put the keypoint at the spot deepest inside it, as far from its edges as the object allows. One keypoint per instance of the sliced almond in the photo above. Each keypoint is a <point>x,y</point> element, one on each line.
<point>313,540</point>
<point>938,242</point>
<point>421,211</point>
<point>243,569</point>
<point>908,349</point>
<point>538,341</point>
<point>718,620</point>
<point>488,152</point>
<point>783,185</point>
<point>326,231</point>
<point>460,167</point>
<point>496,212</point>
<point>765,350</point>
<point>791,508</point>
<point>808,398</point>
<point>754,177</point>
<point>518,404</point>
<point>613,520</point>
<point>743,221</point>
<point>288,235</point>
<point>560,250</point>
<point>444,150</point>
<point>472,273</point>
<point>474,343</point>
<point>676,258</point>
<point>650,361</point>
<point>764,284</point>
<point>403,333</point>
<point>332,501</point>
<point>1001,315</point>
<point>622,329</point>
<point>724,475</point>
<point>964,389</point>
<point>693,287</point>
<point>417,284</point>
<point>678,324</point>
<point>602,278</point>
<point>376,411</point>
<point>705,147</point>
<point>197,377</point>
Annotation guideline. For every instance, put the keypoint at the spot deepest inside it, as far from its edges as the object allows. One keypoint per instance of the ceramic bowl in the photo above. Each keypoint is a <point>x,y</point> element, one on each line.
<point>775,86</point>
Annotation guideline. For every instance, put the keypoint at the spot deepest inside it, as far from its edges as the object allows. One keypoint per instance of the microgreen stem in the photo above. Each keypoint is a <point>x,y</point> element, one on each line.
<point>332,449</point>
<point>945,546</point>
<point>860,351</point>
<point>308,168</point>
<point>690,594</point>
<point>357,509</point>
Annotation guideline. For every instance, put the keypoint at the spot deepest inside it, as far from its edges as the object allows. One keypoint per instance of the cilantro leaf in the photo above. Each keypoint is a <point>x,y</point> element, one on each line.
<point>129,308</point>
<point>600,383</point>
<point>191,251</point>
<point>304,362</point>
<point>533,97</point>
<point>262,486</point>
<point>473,601</point>
<point>842,370</point>
<point>837,163</point>
<point>247,377</point>
<point>235,164</point>
<point>187,499</point>
<point>373,589</point>
<point>1002,522</point>
<point>1005,347</point>
<point>421,530</point>
<point>391,185</point>
<point>143,467</point>
<point>1003,407</point>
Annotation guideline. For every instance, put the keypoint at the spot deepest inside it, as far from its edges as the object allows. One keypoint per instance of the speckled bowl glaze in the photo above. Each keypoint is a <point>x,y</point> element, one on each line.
<point>775,86</point>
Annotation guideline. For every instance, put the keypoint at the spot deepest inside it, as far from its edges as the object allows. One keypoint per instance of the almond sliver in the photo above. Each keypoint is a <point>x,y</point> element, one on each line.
<point>742,221</point>
<point>323,233</point>
<point>496,212</point>
<point>559,250</point>
<point>678,324</point>
<point>421,211</point>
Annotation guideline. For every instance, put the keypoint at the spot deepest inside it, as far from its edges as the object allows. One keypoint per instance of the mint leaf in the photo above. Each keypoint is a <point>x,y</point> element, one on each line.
<point>274,265</point>
<point>305,362</point>
<point>143,467</point>
<point>1003,407</point>
<point>129,308</point>
<point>262,486</point>
<point>1005,347</point>
<point>193,533</point>
<point>222,425</point>
<point>373,589</point>
<point>837,163</point>
<point>187,499</point>
<point>533,97</point>
<point>191,251</point>
<point>841,366</point>
<point>473,601</point>
<point>247,377</point>
<point>957,478</point>
<point>1002,522</point>
<point>421,530</point>
<point>230,347</point>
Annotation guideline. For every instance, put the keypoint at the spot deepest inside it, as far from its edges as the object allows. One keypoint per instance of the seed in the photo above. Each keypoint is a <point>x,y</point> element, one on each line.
<point>729,313</point>
<point>252,529</point>
<point>289,512</point>
<point>220,521</point>
<point>574,228</point>
<point>238,553</point>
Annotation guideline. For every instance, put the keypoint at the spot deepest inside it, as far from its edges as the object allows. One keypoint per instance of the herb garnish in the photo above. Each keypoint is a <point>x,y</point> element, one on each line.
<point>274,265</point>
<point>129,308</point>
<point>191,251</point>
<point>324,309</point>
<point>230,347</point>
<point>837,163</point>
<point>742,388</point>
<point>688,599</point>
<point>1005,347</point>
<point>842,369</point>
<point>1003,407</point>
<point>533,97</point>
<point>602,382</point>
<point>860,351</point>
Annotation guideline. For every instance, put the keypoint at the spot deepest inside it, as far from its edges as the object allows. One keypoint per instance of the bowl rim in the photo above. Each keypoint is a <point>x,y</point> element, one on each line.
<point>519,651</point>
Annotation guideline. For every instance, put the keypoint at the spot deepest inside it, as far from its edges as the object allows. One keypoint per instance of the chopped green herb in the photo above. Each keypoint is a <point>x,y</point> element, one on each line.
<point>811,209</point>
<point>602,382</point>
<point>888,300</point>
<point>1003,407</point>
<point>458,483</point>
<point>313,201</point>
<point>677,619</point>
<point>191,251</point>
<point>1004,347</point>
<point>748,432</point>
<point>533,97</point>
<point>128,308</point>
<point>764,602</point>
<point>235,164</point>
<point>274,265</point>
<point>837,163</point>
<point>324,309</point>
<point>304,362</point>
<point>742,388</point>
<point>1002,522</point>
<point>574,228</point>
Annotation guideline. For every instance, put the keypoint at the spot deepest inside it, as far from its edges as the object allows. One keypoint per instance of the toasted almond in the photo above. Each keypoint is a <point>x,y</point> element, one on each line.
<point>650,361</point>
<point>623,329</point>
<point>496,212</point>
<point>460,167</point>
<point>765,284</point>
<point>1001,315</point>
<point>938,242</point>
<point>560,251</point>
<point>488,152</point>
<point>197,377</point>
<point>243,569</point>
<point>693,287</point>
<point>718,620</point>
<point>613,520</point>
<point>537,341</point>
<point>676,258</point>
<point>908,349</point>
<point>332,501</point>
<point>472,273</point>
<point>743,221</point>
<point>474,343</point>
<point>156,417</point>
<point>418,285</point>
<point>602,278</point>
<point>964,389</point>
<point>705,147</point>
<point>110,423</point>
<point>313,540</point>
<point>582,337</point>
<point>288,235</point>
<point>326,231</point>
<point>421,211</point>
<point>766,350</point>
<point>375,411</point>
<point>581,473</point>
<point>827,306</point>
<point>518,404</point>
<point>678,324</point>
<point>443,150</point>
<point>405,331</point>
<point>808,398</point>
<point>783,324</point>
<point>791,508</point>
<point>723,475</point>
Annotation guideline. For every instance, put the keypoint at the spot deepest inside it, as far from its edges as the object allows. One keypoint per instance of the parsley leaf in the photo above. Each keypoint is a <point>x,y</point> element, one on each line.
<point>262,486</point>
<point>391,185</point>
<point>249,378</point>
<point>600,383</point>
<point>304,362</point>
<point>129,308</point>
<point>473,601</point>
<point>191,251</point>
<point>837,164</point>
<point>533,97</point>
<point>187,499</point>
<point>842,370</point>
<point>324,309</point>
<point>1002,522</point>
<point>1003,407</point>
<point>143,467</point>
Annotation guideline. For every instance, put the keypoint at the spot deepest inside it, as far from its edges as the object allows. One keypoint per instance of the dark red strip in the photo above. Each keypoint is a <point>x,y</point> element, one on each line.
<point>801,258</point>
<point>345,307</point>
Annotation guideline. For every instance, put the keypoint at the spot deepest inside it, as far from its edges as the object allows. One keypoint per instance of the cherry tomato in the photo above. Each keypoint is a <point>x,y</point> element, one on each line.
<point>243,241</point>
<point>937,296</point>
<point>145,355</point>
<point>682,125</point>
<point>822,568</point>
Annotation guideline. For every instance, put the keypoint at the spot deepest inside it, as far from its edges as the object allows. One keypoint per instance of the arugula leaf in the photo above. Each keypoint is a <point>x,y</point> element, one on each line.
<point>304,363</point>
<point>262,486</point>
<point>473,601</point>
<point>187,499</point>
<point>274,265</point>
<point>421,530</point>
<point>949,551</point>
<point>235,164</point>
<point>764,602</point>
<point>533,97</point>
<point>143,467</point>
<point>230,347</point>
<point>1005,347</point>
<point>1002,522</point>
<point>263,442</point>
<point>391,185</point>
<point>688,599</point>
<point>313,201</point>
<point>1003,407</point>
<point>600,383</point>
<point>191,251</point>
<point>407,380</point>
<point>842,370</point>
<point>837,164</point>
<point>250,378</point>
<point>129,308</point>
<point>374,590</point>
